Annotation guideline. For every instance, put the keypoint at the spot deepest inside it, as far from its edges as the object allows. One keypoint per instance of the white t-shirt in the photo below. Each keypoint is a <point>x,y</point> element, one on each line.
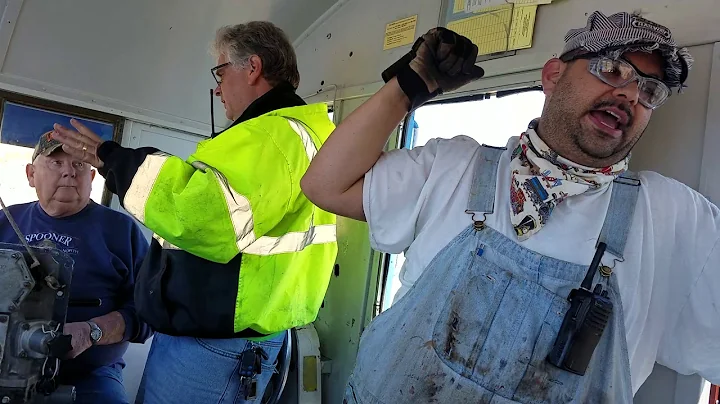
<point>415,201</point>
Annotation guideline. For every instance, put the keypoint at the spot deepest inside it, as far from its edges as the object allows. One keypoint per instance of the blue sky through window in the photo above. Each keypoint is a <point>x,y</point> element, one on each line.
<point>22,125</point>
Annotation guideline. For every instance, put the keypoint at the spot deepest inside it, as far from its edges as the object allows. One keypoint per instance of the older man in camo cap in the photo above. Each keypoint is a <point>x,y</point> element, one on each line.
<point>108,249</point>
<point>545,272</point>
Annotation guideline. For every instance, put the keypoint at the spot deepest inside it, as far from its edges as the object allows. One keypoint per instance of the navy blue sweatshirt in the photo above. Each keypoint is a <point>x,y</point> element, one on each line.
<point>108,248</point>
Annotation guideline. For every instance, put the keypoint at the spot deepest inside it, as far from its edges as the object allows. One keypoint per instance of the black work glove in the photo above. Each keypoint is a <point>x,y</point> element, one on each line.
<point>442,61</point>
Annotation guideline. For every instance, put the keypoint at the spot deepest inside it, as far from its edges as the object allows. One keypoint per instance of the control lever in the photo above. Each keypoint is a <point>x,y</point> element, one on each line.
<point>15,227</point>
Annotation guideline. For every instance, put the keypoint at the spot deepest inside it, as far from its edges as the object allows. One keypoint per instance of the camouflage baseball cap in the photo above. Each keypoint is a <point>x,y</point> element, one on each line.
<point>46,145</point>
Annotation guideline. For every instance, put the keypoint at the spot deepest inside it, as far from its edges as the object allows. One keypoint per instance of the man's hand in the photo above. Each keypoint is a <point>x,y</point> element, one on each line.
<point>81,144</point>
<point>80,338</point>
<point>446,60</point>
<point>443,61</point>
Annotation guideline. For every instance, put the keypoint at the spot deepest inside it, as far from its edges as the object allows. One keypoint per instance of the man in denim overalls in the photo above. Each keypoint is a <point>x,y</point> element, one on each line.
<point>543,272</point>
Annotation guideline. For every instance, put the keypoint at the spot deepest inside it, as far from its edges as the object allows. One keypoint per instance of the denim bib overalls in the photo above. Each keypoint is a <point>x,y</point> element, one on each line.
<point>478,324</point>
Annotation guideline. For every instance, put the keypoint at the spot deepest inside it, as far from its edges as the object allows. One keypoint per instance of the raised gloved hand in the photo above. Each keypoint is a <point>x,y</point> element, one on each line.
<point>441,61</point>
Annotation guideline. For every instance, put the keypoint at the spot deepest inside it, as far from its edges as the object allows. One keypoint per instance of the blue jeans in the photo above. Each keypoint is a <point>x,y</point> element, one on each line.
<point>102,385</point>
<point>197,370</point>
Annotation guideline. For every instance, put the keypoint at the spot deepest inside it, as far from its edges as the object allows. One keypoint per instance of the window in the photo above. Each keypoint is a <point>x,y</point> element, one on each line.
<point>22,120</point>
<point>490,119</point>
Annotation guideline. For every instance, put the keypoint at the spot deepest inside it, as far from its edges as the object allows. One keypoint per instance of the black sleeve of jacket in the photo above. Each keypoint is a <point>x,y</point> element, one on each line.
<point>120,165</point>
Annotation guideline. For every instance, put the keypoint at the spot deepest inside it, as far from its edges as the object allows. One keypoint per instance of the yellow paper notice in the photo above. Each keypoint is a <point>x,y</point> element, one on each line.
<point>400,32</point>
<point>523,25</point>
<point>489,30</point>
<point>529,2</point>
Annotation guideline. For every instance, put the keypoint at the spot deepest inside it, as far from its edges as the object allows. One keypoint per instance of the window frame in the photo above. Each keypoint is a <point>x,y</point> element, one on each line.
<point>117,121</point>
<point>485,95</point>
<point>710,165</point>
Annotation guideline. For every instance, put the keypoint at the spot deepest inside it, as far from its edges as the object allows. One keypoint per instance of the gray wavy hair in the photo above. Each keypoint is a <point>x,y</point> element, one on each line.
<point>264,39</point>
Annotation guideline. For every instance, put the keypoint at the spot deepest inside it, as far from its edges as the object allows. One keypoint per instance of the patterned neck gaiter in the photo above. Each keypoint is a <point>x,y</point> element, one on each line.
<point>541,179</point>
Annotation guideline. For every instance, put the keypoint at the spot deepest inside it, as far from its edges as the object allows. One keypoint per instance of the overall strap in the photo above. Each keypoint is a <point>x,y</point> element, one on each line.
<point>482,191</point>
<point>615,230</point>
<point>614,233</point>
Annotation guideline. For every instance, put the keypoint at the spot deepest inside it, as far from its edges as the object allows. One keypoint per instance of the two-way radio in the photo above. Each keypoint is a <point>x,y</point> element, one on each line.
<point>584,322</point>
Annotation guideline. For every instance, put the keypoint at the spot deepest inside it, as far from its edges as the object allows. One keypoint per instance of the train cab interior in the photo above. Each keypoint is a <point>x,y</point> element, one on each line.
<point>138,72</point>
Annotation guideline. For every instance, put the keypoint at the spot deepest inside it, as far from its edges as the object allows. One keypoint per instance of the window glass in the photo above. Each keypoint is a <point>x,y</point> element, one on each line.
<point>20,129</point>
<point>491,121</point>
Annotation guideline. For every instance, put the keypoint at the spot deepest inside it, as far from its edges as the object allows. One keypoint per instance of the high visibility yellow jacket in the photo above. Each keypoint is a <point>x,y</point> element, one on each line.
<point>238,249</point>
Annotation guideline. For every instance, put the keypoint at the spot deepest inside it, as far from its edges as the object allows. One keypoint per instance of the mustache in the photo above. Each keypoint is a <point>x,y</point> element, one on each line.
<point>621,106</point>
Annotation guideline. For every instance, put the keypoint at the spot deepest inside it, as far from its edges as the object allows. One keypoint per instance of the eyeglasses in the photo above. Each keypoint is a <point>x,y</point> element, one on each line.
<point>619,73</point>
<point>214,72</point>
<point>57,165</point>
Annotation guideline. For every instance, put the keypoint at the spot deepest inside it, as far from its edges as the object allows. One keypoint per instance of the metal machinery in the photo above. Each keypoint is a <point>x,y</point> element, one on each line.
<point>33,302</point>
<point>34,286</point>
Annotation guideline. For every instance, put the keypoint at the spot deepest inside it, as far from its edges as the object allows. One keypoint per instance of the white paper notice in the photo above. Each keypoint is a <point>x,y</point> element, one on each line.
<point>473,6</point>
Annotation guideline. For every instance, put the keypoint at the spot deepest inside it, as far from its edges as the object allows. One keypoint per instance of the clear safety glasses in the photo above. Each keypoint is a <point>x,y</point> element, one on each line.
<point>619,73</point>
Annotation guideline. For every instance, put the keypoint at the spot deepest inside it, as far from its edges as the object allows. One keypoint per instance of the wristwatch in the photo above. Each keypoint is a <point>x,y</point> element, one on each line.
<point>95,332</point>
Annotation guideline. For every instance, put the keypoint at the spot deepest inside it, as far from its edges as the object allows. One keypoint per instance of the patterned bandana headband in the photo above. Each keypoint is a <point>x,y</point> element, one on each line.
<point>541,180</point>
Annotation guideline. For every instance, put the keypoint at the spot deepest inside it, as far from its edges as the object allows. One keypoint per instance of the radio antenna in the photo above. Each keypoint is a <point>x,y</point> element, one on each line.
<point>212,114</point>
